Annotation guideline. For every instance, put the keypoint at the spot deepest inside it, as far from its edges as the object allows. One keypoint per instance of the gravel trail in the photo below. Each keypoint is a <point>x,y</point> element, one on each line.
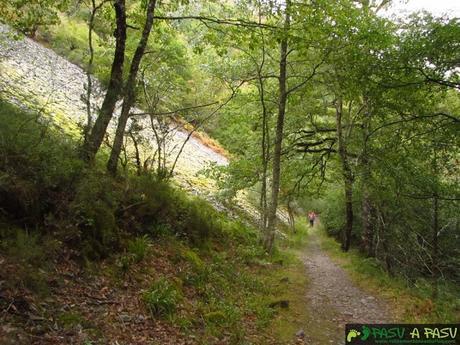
<point>334,299</point>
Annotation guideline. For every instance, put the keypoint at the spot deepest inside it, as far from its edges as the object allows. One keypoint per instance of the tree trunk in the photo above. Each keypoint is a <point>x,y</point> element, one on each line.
<point>435,252</point>
<point>136,153</point>
<point>347,178</point>
<point>271,216</point>
<point>130,89</point>
<point>367,231</point>
<point>94,140</point>
<point>435,226</point>
<point>264,156</point>
<point>382,230</point>
<point>264,146</point>
<point>291,215</point>
<point>89,87</point>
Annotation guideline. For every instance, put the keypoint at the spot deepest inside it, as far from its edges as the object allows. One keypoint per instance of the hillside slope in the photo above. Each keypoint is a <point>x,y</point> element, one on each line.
<point>36,77</point>
<point>91,259</point>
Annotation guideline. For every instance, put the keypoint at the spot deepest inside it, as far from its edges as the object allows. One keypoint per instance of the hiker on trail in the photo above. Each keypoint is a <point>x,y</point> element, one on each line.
<point>311,218</point>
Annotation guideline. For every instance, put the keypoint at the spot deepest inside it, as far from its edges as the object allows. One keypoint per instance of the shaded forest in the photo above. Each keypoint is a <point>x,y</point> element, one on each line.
<point>326,106</point>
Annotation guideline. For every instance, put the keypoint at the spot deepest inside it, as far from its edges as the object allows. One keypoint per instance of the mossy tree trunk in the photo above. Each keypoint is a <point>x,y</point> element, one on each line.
<point>269,236</point>
<point>347,177</point>
<point>366,205</point>
<point>130,89</point>
<point>94,139</point>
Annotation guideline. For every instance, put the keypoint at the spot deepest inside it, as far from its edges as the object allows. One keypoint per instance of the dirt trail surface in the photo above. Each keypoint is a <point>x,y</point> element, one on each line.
<point>334,300</point>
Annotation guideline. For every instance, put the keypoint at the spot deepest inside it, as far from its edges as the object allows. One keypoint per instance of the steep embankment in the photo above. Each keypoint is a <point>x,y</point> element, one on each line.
<point>170,269</point>
<point>89,259</point>
<point>34,76</point>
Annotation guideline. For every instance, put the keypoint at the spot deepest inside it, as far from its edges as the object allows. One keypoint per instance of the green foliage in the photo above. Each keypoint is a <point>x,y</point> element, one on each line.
<point>299,237</point>
<point>251,253</point>
<point>160,207</point>
<point>398,84</point>
<point>124,263</point>
<point>162,298</point>
<point>70,320</point>
<point>93,208</point>
<point>139,247</point>
<point>24,247</point>
<point>37,165</point>
<point>332,211</point>
<point>193,259</point>
<point>43,182</point>
<point>161,230</point>
<point>69,38</point>
<point>225,315</point>
<point>136,251</point>
<point>99,216</point>
<point>28,16</point>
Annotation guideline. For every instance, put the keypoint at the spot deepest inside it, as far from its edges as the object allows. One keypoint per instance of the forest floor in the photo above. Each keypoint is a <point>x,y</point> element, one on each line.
<point>334,299</point>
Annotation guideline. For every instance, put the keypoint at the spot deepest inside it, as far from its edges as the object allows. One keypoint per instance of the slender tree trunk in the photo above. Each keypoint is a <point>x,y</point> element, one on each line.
<point>435,252</point>
<point>264,143</point>
<point>264,156</point>
<point>435,227</point>
<point>130,89</point>
<point>366,206</point>
<point>271,216</point>
<point>291,215</point>
<point>347,178</point>
<point>137,153</point>
<point>368,230</point>
<point>382,230</point>
<point>94,139</point>
<point>89,86</point>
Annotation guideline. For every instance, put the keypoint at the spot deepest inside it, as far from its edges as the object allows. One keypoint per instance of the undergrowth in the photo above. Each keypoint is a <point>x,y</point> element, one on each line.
<point>190,265</point>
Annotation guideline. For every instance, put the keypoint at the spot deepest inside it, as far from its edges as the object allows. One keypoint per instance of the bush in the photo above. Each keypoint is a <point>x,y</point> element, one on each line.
<point>332,211</point>
<point>198,221</point>
<point>162,298</point>
<point>38,167</point>
<point>94,207</point>
<point>160,207</point>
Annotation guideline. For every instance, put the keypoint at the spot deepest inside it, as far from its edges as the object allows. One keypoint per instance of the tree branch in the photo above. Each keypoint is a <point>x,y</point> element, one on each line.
<point>174,111</point>
<point>229,21</point>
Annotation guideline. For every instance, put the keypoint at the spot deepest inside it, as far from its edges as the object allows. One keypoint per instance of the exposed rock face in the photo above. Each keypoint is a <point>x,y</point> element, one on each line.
<point>36,77</point>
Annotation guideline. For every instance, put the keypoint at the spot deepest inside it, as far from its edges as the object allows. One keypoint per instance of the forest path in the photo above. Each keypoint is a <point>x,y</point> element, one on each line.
<point>334,299</point>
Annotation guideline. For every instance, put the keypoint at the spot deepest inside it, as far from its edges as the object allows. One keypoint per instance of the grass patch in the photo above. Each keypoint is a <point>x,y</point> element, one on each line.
<point>72,319</point>
<point>288,281</point>
<point>296,239</point>
<point>139,247</point>
<point>162,298</point>
<point>291,282</point>
<point>410,302</point>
